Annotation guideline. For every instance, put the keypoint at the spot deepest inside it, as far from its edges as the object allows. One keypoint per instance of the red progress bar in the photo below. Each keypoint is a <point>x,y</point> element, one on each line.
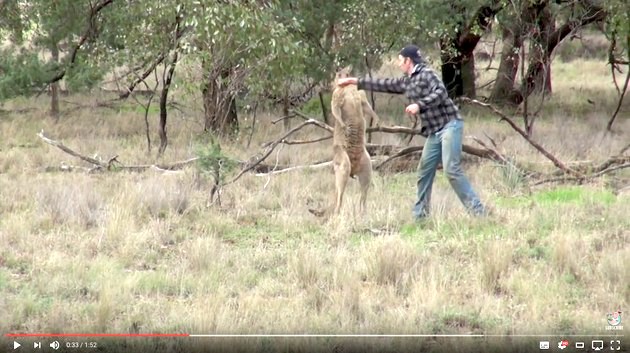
<point>97,335</point>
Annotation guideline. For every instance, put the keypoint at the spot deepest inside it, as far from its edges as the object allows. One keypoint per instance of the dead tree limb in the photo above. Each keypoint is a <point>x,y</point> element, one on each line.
<point>114,163</point>
<point>394,130</point>
<point>524,134</point>
<point>299,167</point>
<point>282,118</point>
<point>401,153</point>
<point>376,149</point>
<point>69,151</point>
<point>304,142</point>
<point>504,160</point>
<point>308,118</point>
<point>496,153</point>
<point>315,166</point>
<point>621,96</point>
<point>584,178</point>
<point>619,158</point>
<point>389,149</point>
<point>271,146</point>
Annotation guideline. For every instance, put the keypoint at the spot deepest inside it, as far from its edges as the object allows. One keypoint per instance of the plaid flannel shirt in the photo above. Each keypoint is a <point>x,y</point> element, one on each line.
<point>423,87</point>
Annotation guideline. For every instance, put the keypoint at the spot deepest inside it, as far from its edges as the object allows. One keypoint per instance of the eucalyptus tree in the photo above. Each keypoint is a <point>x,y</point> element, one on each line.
<point>48,41</point>
<point>241,46</point>
<point>457,26</point>
<point>544,24</point>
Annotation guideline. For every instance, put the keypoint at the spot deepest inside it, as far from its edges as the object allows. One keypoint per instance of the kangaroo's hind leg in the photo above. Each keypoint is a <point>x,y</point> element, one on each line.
<point>365,177</point>
<point>341,166</point>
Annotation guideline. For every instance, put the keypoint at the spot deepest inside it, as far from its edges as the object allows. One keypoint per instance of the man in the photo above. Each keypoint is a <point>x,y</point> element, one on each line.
<point>441,124</point>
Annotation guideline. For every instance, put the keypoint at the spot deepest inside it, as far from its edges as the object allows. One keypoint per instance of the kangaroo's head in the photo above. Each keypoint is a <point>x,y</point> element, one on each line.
<point>343,72</point>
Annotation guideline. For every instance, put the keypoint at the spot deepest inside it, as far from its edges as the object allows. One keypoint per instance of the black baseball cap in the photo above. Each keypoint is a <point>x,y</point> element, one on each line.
<point>411,51</point>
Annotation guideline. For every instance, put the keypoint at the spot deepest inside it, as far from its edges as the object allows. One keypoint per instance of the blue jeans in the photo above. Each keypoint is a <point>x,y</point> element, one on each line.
<point>447,145</point>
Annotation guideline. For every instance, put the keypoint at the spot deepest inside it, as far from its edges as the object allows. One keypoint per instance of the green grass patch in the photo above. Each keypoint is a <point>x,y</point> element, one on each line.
<point>532,251</point>
<point>30,305</point>
<point>161,283</point>
<point>453,321</point>
<point>561,195</point>
<point>513,202</point>
<point>574,194</point>
<point>19,265</point>
<point>266,231</point>
<point>478,228</point>
<point>433,230</point>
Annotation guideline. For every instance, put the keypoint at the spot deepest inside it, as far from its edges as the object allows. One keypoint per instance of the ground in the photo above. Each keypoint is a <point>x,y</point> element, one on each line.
<point>127,252</point>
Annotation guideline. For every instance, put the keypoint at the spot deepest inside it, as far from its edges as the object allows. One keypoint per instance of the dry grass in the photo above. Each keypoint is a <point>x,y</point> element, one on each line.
<point>141,252</point>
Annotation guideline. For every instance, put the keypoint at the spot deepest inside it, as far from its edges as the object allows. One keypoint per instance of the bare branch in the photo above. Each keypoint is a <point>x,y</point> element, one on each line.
<point>583,178</point>
<point>299,167</point>
<point>272,146</point>
<point>69,151</point>
<point>110,163</point>
<point>306,117</point>
<point>141,78</point>
<point>611,59</point>
<point>621,96</point>
<point>305,142</point>
<point>395,130</point>
<point>275,121</point>
<point>374,149</point>
<point>544,152</point>
<point>619,158</point>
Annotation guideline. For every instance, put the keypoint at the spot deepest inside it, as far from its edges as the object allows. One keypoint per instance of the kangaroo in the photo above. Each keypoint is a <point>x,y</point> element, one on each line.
<point>349,108</point>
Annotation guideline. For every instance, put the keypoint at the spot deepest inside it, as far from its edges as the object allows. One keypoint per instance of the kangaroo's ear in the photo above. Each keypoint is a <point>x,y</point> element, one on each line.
<point>348,69</point>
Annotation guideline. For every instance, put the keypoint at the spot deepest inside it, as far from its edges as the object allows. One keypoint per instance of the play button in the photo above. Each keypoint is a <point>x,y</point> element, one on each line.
<point>16,345</point>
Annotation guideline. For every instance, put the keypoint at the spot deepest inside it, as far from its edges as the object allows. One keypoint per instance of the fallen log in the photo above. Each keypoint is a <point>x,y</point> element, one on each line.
<point>584,178</point>
<point>114,164</point>
<point>397,152</point>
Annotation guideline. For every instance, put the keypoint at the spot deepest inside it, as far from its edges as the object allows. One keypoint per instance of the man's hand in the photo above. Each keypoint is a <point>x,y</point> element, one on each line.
<point>412,109</point>
<point>343,82</point>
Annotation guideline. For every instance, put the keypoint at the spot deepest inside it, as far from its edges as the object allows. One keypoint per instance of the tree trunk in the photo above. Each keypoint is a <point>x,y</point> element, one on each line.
<point>451,69</point>
<point>219,105</point>
<point>458,74</point>
<point>538,78</point>
<point>163,101</point>
<point>458,63</point>
<point>503,90</point>
<point>468,76</point>
<point>54,87</point>
<point>285,109</point>
<point>539,72</point>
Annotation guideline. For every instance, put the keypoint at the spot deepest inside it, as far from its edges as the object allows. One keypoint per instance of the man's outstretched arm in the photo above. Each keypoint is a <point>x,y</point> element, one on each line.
<point>388,85</point>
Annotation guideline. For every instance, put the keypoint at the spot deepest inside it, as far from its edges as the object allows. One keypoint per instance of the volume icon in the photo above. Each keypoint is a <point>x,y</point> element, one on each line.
<point>54,345</point>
